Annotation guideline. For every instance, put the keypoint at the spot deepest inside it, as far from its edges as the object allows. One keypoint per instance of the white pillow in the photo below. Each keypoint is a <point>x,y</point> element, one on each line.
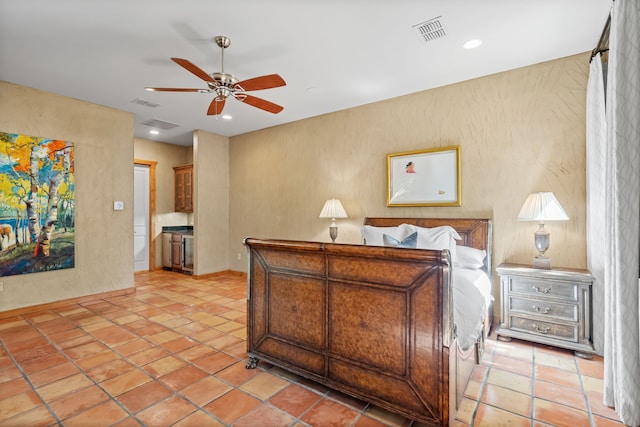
<point>437,238</point>
<point>373,236</point>
<point>468,257</point>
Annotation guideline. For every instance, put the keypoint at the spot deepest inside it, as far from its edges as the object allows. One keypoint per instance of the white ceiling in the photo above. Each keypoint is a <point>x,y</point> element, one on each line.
<point>333,54</point>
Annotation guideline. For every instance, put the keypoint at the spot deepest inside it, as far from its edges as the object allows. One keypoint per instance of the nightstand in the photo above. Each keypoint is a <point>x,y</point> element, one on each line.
<point>546,306</point>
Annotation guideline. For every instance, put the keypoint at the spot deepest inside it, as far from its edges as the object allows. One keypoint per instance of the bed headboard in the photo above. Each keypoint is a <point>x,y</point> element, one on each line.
<point>474,232</point>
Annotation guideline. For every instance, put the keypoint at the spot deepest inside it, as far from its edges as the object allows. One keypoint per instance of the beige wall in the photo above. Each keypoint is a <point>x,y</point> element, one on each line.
<point>211,202</point>
<point>520,131</point>
<point>103,140</point>
<point>210,157</point>
<point>167,156</point>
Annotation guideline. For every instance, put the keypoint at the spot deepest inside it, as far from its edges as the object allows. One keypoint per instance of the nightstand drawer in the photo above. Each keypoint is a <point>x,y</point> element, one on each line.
<point>553,310</point>
<point>547,289</point>
<point>546,329</point>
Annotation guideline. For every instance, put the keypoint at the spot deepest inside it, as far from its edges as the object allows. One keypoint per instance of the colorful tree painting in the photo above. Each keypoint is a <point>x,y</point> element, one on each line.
<point>37,207</point>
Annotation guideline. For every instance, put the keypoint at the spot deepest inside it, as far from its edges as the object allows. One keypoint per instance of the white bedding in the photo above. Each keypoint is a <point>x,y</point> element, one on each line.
<point>471,297</point>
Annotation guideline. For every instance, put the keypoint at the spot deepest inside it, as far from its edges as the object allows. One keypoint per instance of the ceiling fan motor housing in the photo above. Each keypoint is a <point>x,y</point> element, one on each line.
<point>224,79</point>
<point>223,85</point>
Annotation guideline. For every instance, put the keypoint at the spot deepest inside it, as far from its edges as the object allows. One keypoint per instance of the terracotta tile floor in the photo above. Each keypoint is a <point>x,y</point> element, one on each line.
<point>172,353</point>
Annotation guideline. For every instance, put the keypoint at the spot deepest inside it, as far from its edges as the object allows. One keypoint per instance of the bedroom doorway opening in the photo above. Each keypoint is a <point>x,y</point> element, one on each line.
<point>144,212</point>
<point>141,218</point>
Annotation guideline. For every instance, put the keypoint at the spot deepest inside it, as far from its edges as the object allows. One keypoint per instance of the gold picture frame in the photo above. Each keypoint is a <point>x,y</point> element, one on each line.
<point>424,177</point>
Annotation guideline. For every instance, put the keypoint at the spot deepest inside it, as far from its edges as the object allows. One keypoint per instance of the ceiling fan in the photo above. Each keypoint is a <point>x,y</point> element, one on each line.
<point>226,85</point>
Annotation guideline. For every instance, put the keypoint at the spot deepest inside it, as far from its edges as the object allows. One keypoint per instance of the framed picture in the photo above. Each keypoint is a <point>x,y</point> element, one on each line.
<point>424,178</point>
<point>37,204</point>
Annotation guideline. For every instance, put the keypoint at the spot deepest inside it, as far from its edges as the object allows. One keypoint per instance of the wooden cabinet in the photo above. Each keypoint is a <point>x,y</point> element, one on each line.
<point>546,306</point>
<point>183,188</point>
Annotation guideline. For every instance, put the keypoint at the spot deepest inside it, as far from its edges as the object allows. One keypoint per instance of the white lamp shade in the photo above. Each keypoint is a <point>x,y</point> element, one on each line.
<point>542,207</point>
<point>333,209</point>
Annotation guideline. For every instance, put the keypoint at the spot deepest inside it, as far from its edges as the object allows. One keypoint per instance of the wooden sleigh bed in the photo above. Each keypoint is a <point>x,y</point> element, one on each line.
<point>374,322</point>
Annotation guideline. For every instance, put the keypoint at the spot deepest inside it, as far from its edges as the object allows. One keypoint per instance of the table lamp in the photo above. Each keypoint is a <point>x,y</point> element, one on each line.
<point>333,209</point>
<point>542,207</point>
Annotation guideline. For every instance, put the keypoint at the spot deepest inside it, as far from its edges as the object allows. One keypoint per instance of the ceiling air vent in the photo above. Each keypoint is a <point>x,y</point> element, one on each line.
<point>159,124</point>
<point>145,103</point>
<point>431,29</point>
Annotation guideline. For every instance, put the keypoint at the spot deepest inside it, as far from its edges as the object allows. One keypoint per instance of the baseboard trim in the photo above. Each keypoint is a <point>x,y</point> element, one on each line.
<point>219,273</point>
<point>49,305</point>
<point>86,298</point>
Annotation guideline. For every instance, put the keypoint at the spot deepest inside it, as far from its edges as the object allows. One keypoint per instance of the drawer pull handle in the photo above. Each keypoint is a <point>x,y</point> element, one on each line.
<point>544,330</point>
<point>544,310</point>
<point>541,291</point>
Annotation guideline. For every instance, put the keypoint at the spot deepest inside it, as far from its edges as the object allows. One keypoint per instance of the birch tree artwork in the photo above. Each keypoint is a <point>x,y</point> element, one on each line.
<point>37,207</point>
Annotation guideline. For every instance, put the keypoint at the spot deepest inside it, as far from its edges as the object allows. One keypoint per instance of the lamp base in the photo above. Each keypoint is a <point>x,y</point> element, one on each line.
<point>542,262</point>
<point>333,233</point>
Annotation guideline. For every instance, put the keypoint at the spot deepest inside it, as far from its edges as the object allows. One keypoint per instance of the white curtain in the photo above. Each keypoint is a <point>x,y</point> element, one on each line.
<point>613,204</point>
<point>596,193</point>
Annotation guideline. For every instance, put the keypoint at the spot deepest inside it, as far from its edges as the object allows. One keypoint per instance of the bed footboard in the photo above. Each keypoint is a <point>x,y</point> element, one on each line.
<point>372,322</point>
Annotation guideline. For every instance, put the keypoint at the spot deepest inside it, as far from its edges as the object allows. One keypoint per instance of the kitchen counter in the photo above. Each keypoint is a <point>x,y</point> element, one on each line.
<point>178,229</point>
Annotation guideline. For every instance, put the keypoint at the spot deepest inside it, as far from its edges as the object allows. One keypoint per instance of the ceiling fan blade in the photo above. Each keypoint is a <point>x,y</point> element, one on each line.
<point>174,89</point>
<point>193,69</point>
<point>263,82</point>
<point>260,103</point>
<point>216,106</point>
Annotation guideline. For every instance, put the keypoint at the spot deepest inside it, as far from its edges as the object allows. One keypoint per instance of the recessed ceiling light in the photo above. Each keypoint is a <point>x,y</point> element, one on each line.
<point>154,132</point>
<point>472,44</point>
<point>227,116</point>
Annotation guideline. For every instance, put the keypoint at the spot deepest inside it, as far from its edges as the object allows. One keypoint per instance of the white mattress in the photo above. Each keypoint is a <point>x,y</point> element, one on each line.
<point>471,297</point>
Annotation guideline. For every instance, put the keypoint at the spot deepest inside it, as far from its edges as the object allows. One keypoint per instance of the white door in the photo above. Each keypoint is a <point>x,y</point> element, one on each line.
<point>141,217</point>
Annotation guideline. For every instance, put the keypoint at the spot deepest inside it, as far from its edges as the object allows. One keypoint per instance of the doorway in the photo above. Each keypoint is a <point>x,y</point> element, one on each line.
<point>144,212</point>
